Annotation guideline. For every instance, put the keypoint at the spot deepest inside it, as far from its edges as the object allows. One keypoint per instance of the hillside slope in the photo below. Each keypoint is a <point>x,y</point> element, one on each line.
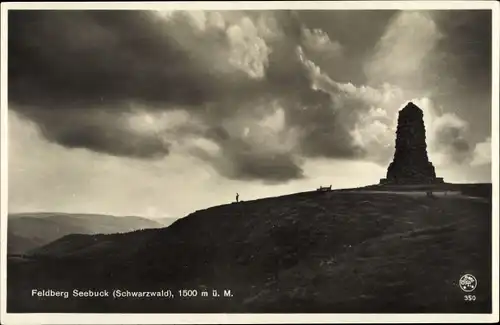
<point>31,230</point>
<point>310,252</point>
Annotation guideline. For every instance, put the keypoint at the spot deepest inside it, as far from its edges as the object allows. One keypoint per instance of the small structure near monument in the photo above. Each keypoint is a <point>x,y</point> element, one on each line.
<point>324,189</point>
<point>411,165</point>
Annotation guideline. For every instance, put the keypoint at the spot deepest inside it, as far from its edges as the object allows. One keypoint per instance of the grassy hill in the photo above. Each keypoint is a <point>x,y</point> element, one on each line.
<point>28,231</point>
<point>339,251</point>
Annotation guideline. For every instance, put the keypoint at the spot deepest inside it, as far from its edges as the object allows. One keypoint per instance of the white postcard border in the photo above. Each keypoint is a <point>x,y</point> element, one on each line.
<point>11,318</point>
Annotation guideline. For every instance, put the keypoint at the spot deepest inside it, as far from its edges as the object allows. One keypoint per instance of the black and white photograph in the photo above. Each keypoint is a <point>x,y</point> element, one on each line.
<point>243,159</point>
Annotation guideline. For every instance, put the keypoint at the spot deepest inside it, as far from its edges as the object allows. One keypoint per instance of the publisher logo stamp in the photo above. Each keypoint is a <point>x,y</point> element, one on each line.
<point>468,283</point>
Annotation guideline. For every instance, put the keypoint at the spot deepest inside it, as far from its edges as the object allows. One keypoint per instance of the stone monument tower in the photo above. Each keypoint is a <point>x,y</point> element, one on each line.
<point>411,164</point>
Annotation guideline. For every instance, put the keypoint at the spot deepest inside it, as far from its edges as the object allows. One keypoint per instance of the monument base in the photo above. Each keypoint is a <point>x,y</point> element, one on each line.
<point>411,181</point>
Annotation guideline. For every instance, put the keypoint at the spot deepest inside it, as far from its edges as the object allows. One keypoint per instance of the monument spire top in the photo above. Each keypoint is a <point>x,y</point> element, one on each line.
<point>411,106</point>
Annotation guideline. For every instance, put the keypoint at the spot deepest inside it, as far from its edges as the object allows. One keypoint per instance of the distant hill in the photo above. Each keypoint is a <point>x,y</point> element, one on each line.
<point>27,231</point>
<point>165,221</point>
<point>355,251</point>
<point>18,244</point>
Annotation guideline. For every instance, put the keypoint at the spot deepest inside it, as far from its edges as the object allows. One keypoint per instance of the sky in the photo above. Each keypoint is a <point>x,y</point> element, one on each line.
<point>161,113</point>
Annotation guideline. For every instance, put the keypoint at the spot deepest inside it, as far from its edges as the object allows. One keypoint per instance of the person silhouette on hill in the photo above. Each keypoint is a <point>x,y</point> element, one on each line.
<point>237,197</point>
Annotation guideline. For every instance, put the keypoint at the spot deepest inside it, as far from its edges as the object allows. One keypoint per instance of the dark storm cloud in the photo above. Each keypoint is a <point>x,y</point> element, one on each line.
<point>97,130</point>
<point>324,128</point>
<point>274,168</point>
<point>62,65</point>
<point>247,163</point>
<point>463,55</point>
<point>341,25</point>
<point>75,72</point>
<point>451,140</point>
<point>82,58</point>
<point>243,158</point>
<point>80,74</point>
<point>466,47</point>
